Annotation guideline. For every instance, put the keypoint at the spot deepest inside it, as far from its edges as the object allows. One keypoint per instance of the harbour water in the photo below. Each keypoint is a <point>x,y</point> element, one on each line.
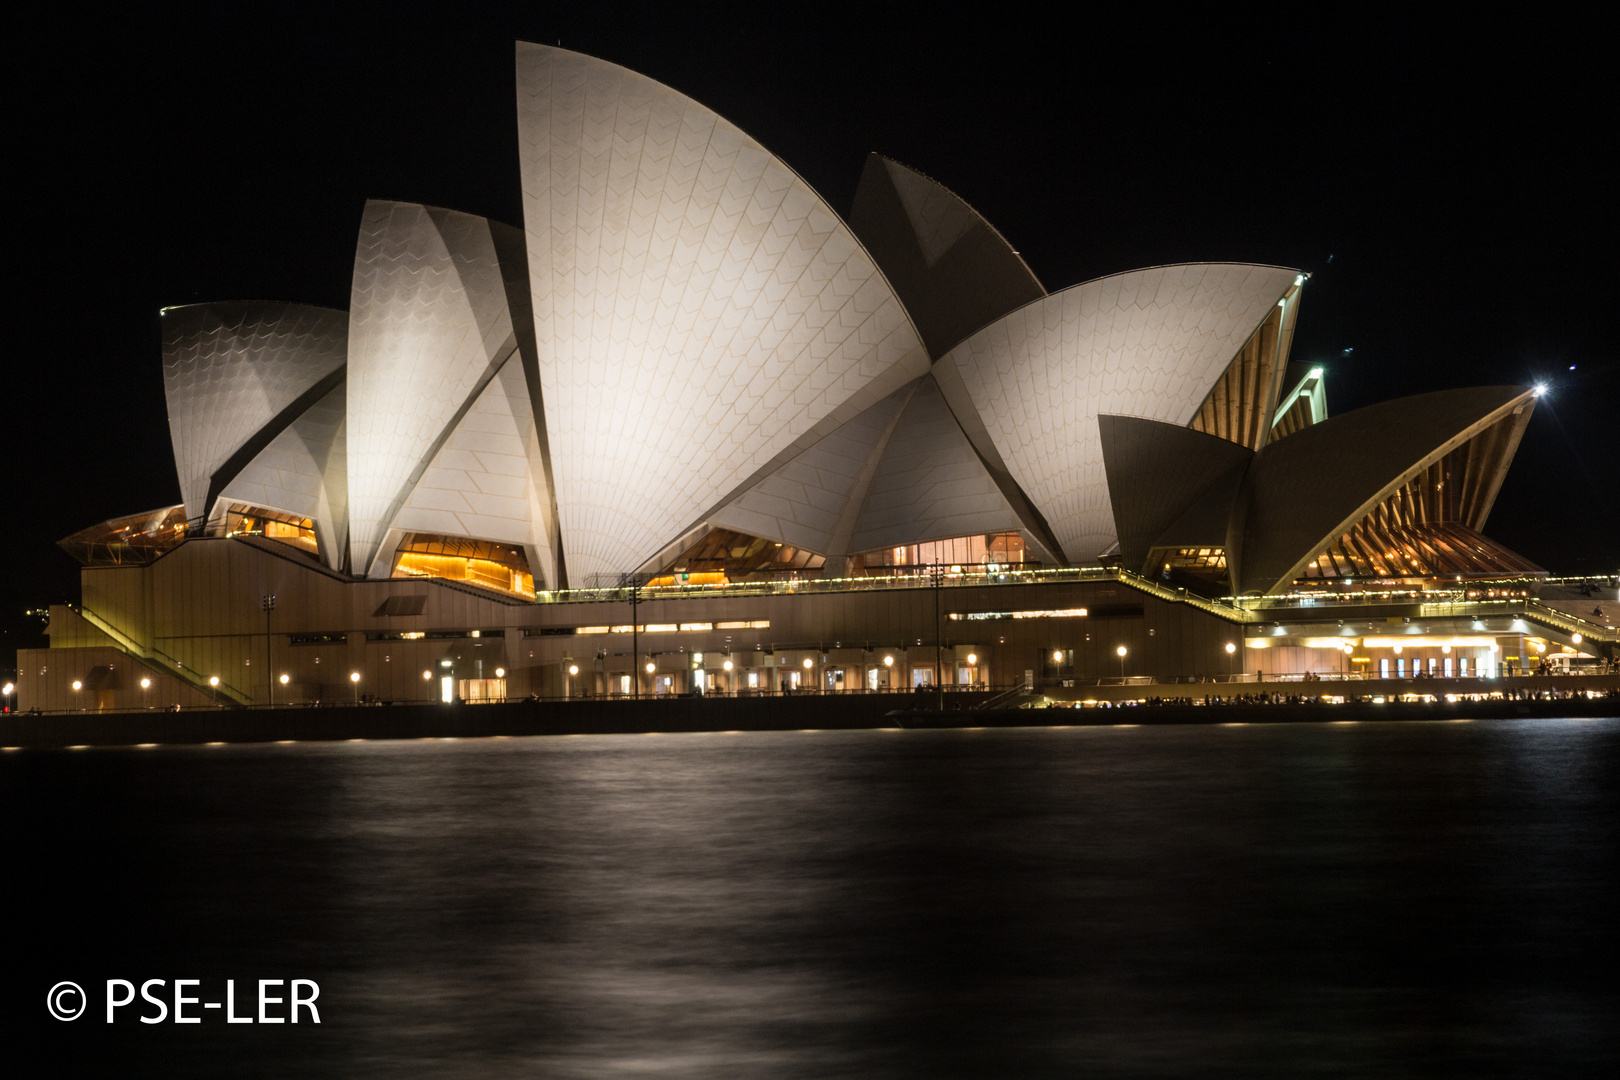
<point>1415,899</point>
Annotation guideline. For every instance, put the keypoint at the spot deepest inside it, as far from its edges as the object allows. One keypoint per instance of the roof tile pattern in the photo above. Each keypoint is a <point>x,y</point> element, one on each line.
<point>304,471</point>
<point>482,482</point>
<point>1148,343</point>
<point>429,327</point>
<point>231,368</point>
<point>803,502</point>
<point>698,308</point>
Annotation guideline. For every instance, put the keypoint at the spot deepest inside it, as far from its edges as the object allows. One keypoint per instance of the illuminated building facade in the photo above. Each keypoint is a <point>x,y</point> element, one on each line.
<point>688,373</point>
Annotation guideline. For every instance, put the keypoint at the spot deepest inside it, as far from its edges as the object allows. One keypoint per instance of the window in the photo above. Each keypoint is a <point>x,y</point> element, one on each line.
<point>485,563</point>
<point>1383,668</point>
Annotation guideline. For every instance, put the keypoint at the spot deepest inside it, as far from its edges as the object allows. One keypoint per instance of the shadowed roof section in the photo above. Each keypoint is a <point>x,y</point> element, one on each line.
<point>952,269</point>
<point>1169,485</point>
<point>230,370</point>
<point>1306,491</point>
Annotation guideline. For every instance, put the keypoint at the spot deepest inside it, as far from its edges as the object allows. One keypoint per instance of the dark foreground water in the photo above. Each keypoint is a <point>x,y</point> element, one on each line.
<point>1420,899</point>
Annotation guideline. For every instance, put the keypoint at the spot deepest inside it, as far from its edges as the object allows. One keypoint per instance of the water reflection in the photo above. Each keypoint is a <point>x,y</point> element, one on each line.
<point>1264,900</point>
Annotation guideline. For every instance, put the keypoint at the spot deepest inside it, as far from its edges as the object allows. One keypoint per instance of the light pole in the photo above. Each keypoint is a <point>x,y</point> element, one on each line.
<point>354,677</point>
<point>1121,653</point>
<point>146,684</point>
<point>213,683</point>
<point>939,679</point>
<point>1231,657</point>
<point>268,603</point>
<point>10,688</point>
<point>568,683</point>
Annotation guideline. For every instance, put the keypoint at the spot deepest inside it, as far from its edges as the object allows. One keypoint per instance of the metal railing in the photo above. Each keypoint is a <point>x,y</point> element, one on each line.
<point>160,659</point>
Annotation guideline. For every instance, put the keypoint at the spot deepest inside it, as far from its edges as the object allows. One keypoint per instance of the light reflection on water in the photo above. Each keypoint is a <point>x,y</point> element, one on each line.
<point>1415,899</point>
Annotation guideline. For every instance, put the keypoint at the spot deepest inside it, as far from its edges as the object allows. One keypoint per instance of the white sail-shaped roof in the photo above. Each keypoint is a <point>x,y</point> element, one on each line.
<point>230,370</point>
<point>1148,343</point>
<point>304,471</point>
<point>429,328</point>
<point>698,309</point>
<point>486,481</point>
<point>811,501</point>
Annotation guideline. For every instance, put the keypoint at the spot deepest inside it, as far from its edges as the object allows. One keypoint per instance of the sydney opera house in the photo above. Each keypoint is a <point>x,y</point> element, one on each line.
<point>690,428</point>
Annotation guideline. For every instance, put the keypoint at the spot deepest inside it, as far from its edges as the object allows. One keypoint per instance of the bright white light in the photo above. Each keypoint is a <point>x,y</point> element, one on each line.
<point>213,680</point>
<point>77,685</point>
<point>1575,638</point>
<point>354,676</point>
<point>726,665</point>
<point>1316,373</point>
<point>285,679</point>
<point>1057,656</point>
<point>809,663</point>
<point>973,658</point>
<point>888,661</point>
<point>573,669</point>
<point>1541,388</point>
<point>1230,648</point>
<point>146,684</point>
<point>651,667</point>
<point>425,675</point>
<point>500,673</point>
<point>1120,651</point>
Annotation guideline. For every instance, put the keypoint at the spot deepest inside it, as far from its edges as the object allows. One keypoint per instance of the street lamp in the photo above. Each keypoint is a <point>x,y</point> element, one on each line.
<point>1231,656</point>
<point>1120,652</point>
<point>354,677</point>
<point>268,603</point>
<point>213,682</point>
<point>7,691</point>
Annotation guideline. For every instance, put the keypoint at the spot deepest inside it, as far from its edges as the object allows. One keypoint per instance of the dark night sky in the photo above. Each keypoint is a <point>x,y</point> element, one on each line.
<point>1455,171</point>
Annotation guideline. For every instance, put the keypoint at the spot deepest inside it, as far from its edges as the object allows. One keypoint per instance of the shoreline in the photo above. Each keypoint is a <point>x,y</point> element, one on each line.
<point>700,715</point>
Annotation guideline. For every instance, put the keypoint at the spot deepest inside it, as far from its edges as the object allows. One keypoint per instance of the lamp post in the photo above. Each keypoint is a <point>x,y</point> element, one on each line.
<point>9,689</point>
<point>213,683</point>
<point>568,682</point>
<point>939,679</point>
<point>354,677</point>
<point>1121,651</point>
<point>1231,657</point>
<point>635,633</point>
<point>268,603</point>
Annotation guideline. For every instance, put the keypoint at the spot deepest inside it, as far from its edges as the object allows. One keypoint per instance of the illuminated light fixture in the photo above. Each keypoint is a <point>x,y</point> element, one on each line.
<point>77,685</point>
<point>285,679</point>
<point>973,658</point>
<point>1397,650</point>
<point>354,676</point>
<point>573,669</point>
<point>651,667</point>
<point>1540,389</point>
<point>146,684</point>
<point>1493,646</point>
<point>1120,651</point>
<point>1576,638</point>
<point>809,663</point>
<point>1230,648</point>
<point>1316,373</point>
<point>425,675</point>
<point>213,680</point>
<point>888,661</point>
<point>1446,649</point>
<point>500,673</point>
<point>1299,279</point>
<point>726,665</point>
<point>1057,656</point>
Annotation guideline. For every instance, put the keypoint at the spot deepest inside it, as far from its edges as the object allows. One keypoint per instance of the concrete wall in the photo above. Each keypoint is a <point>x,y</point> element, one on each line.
<point>200,605</point>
